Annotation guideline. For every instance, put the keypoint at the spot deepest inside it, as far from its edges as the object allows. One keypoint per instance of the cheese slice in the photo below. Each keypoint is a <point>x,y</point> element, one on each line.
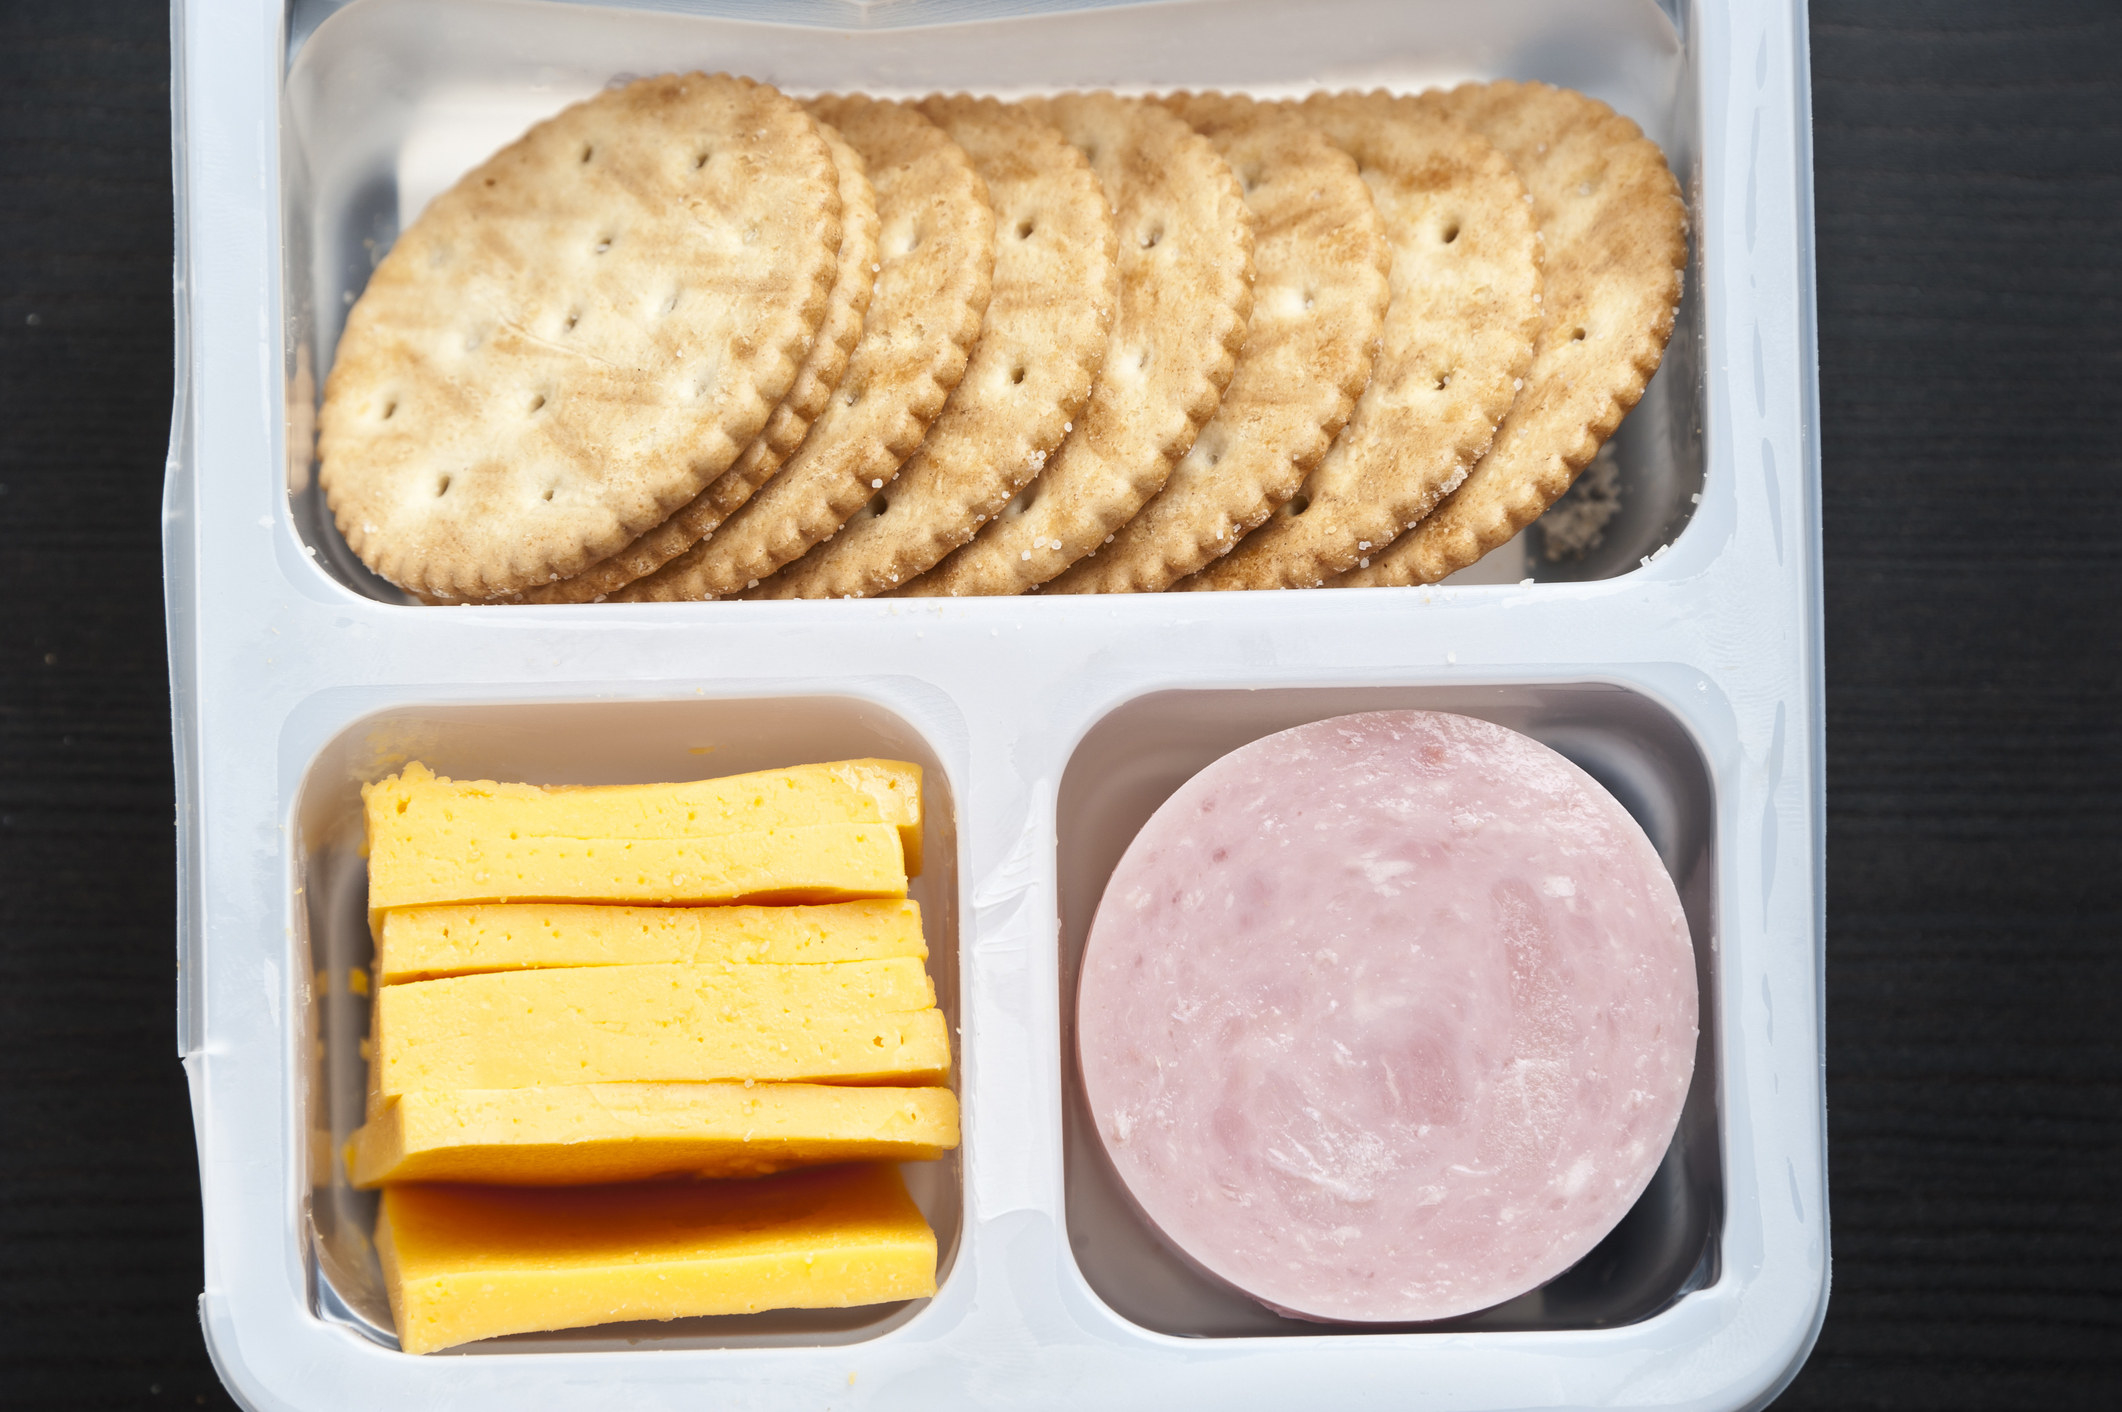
<point>467,1262</point>
<point>846,1021</point>
<point>576,1134</point>
<point>894,786</point>
<point>422,943</point>
<point>798,863</point>
<point>416,808</point>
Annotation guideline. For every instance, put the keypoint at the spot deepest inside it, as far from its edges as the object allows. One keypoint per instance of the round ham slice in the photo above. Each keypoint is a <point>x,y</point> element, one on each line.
<point>1388,1018</point>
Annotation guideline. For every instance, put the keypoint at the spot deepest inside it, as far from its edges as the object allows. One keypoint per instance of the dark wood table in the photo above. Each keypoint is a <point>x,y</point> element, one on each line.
<point>1969,185</point>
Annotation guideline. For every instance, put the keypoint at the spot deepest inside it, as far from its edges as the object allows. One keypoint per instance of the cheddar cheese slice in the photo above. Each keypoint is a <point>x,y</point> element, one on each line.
<point>845,1022</point>
<point>417,809</point>
<point>466,1262</point>
<point>576,1134</point>
<point>894,786</point>
<point>799,863</point>
<point>422,943</point>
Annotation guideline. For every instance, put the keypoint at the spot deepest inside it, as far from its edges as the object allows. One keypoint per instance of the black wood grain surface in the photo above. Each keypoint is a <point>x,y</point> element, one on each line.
<point>1969,187</point>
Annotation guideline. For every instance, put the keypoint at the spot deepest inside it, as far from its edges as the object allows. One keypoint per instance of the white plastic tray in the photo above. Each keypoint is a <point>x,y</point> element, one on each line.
<point>1679,664</point>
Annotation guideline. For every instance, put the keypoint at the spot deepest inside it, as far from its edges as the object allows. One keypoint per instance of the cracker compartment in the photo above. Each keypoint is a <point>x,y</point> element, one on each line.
<point>368,146</point>
<point>1661,626</point>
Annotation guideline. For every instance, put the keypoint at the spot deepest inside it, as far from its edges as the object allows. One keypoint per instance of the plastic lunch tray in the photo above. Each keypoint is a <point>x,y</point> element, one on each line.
<point>1679,664</point>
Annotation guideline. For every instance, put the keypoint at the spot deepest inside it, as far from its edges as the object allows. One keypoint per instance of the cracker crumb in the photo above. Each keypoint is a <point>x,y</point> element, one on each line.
<point>1576,523</point>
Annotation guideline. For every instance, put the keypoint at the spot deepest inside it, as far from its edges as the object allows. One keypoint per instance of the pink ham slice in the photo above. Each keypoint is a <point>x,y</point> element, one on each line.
<point>1389,1017</point>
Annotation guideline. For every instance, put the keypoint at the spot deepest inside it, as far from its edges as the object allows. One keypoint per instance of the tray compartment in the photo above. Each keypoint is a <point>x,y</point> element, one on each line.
<point>1133,759</point>
<point>604,742</point>
<point>306,130</point>
<point>386,102</point>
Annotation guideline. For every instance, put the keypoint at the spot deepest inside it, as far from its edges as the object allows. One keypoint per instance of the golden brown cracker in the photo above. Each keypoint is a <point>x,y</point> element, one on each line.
<point>1319,295</point>
<point>1615,233</point>
<point>1045,335</point>
<point>576,338</point>
<point>937,242</point>
<point>1457,337</point>
<point>785,429</point>
<point>1185,256</point>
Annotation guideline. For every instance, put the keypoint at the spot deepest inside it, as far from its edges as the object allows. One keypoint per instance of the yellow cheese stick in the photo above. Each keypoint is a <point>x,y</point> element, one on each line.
<point>847,1022</point>
<point>577,1134</point>
<point>465,1262</point>
<point>418,808</point>
<point>421,943</point>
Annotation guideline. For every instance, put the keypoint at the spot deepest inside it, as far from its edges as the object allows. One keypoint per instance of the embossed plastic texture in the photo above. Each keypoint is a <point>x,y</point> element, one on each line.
<point>1678,662</point>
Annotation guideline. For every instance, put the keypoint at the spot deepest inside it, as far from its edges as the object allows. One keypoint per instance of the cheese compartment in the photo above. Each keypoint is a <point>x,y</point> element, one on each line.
<point>1132,760</point>
<point>602,742</point>
<point>386,102</point>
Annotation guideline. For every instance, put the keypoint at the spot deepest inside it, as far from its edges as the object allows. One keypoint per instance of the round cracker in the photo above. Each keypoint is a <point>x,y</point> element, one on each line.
<point>576,338</point>
<point>1321,258</point>
<point>821,373</point>
<point>1185,256</point>
<point>937,246</point>
<point>1615,233</point>
<point>1457,336</point>
<point>1045,335</point>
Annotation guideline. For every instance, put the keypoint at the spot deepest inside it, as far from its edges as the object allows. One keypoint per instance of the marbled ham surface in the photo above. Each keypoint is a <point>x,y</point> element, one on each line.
<point>1388,1017</point>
